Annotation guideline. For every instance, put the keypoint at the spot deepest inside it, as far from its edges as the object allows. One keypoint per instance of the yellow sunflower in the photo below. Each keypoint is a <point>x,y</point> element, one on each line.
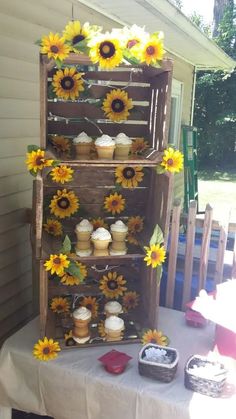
<point>98,222</point>
<point>112,285</point>
<point>74,33</point>
<point>101,328</point>
<point>155,255</point>
<point>155,336</point>
<point>116,105</point>
<point>91,304</point>
<point>64,203</point>
<point>130,300</point>
<point>128,176</point>
<point>36,160</point>
<point>46,349</point>
<point>61,144</point>
<point>106,51</point>
<point>60,305</point>
<point>57,264</point>
<point>134,36</point>
<point>152,51</point>
<point>139,145</point>
<point>54,46</point>
<point>131,239</point>
<point>172,160</point>
<point>114,203</point>
<point>135,224</point>
<point>62,174</point>
<point>68,83</point>
<point>53,227</point>
<point>68,279</point>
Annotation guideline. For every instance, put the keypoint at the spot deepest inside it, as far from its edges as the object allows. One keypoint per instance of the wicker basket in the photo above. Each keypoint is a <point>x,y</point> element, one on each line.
<point>161,372</point>
<point>202,385</point>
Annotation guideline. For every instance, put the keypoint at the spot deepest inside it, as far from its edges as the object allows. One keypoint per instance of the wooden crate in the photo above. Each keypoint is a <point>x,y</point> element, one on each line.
<point>94,179</point>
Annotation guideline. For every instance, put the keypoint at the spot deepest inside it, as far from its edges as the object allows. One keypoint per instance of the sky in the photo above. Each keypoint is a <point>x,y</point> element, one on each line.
<point>203,7</point>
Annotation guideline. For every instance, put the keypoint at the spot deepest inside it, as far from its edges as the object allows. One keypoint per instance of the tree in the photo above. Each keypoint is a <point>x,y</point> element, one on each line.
<point>218,13</point>
<point>178,3</point>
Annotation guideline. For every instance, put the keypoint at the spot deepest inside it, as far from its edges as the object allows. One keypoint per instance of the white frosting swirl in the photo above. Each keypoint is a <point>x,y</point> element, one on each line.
<point>114,323</point>
<point>119,226</point>
<point>84,225</point>
<point>104,140</point>
<point>82,138</point>
<point>101,234</point>
<point>113,307</point>
<point>82,313</point>
<point>123,139</point>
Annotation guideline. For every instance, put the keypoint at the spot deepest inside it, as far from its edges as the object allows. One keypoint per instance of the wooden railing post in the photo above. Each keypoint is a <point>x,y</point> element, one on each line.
<point>206,237</point>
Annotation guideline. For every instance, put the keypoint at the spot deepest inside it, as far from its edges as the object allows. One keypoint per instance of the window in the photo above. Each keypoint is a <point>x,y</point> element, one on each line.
<point>175,112</point>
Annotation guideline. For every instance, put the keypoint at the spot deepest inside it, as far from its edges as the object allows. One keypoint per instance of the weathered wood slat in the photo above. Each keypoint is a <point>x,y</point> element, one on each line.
<point>15,320</point>
<point>221,249</point>
<point>206,237</point>
<point>43,298</point>
<point>15,270</point>
<point>14,287</point>
<point>15,303</point>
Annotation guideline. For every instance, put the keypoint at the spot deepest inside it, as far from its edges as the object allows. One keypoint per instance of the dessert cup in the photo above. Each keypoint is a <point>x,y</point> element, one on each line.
<point>105,152</point>
<point>81,319</point>
<point>112,308</point>
<point>118,245</point>
<point>119,236</point>
<point>122,151</point>
<point>83,245</point>
<point>84,230</point>
<point>101,244</point>
<point>118,252</point>
<point>83,150</point>
<point>102,252</point>
<point>114,326</point>
<point>83,253</point>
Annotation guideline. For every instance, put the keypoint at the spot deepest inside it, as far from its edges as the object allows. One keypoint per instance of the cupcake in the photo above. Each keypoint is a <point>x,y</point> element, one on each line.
<point>82,144</point>
<point>113,328</point>
<point>119,231</point>
<point>123,146</point>
<point>83,230</point>
<point>83,253</point>
<point>121,246</point>
<point>105,147</point>
<point>118,252</point>
<point>101,239</point>
<point>81,318</point>
<point>112,308</point>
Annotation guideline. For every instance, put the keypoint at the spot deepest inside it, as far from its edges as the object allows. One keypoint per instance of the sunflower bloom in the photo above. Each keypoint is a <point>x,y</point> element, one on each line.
<point>112,285</point>
<point>114,203</point>
<point>56,264</point>
<point>61,144</point>
<point>68,279</point>
<point>106,51</point>
<point>131,239</point>
<point>60,305</point>
<point>98,222</point>
<point>101,328</point>
<point>129,177</point>
<point>69,341</point>
<point>152,51</point>
<point>68,83</point>
<point>61,174</point>
<point>74,33</point>
<point>54,46</point>
<point>53,227</point>
<point>116,105</point>
<point>91,304</point>
<point>134,36</point>
<point>155,255</point>
<point>36,160</point>
<point>64,203</point>
<point>46,349</point>
<point>155,336</point>
<point>172,160</point>
<point>135,224</point>
<point>130,300</point>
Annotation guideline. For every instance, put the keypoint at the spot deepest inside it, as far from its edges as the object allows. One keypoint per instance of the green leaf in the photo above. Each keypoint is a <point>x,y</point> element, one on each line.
<point>157,236</point>
<point>32,147</point>
<point>58,63</point>
<point>66,245</point>
<point>160,169</point>
<point>33,173</point>
<point>38,42</point>
<point>74,270</point>
<point>56,163</point>
<point>159,273</point>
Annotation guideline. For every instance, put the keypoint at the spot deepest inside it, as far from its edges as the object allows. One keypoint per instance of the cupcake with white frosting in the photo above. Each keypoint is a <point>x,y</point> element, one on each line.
<point>105,147</point>
<point>119,231</point>
<point>101,239</point>
<point>82,145</point>
<point>81,318</point>
<point>114,326</point>
<point>83,230</point>
<point>123,146</point>
<point>112,308</point>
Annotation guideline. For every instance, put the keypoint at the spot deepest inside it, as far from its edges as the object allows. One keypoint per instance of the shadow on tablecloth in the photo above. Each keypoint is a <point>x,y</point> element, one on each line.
<point>16,414</point>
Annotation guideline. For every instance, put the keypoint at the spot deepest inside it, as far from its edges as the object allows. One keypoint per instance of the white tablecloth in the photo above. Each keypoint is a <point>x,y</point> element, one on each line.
<point>75,385</point>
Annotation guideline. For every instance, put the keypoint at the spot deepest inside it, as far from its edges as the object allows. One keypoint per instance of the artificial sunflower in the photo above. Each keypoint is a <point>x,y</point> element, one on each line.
<point>69,341</point>
<point>106,51</point>
<point>60,305</point>
<point>46,349</point>
<point>64,203</point>
<point>152,51</point>
<point>53,227</point>
<point>61,144</point>
<point>130,300</point>
<point>131,239</point>
<point>116,105</point>
<point>54,46</point>
<point>114,203</point>
<point>68,279</point>
<point>74,33</point>
<point>57,264</point>
<point>98,222</point>
<point>172,160</point>
<point>112,285</point>
<point>36,160</point>
<point>155,255</point>
<point>61,174</point>
<point>101,328</point>
<point>91,304</point>
<point>135,224</point>
<point>128,176</point>
<point>134,36</point>
<point>139,145</point>
<point>68,83</point>
<point>155,336</point>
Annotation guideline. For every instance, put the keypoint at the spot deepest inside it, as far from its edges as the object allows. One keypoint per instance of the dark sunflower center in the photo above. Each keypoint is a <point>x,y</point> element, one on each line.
<point>154,255</point>
<point>78,38</point>
<point>129,173</point>
<point>63,203</point>
<point>59,307</point>
<point>89,306</point>
<point>117,105</point>
<point>107,49</point>
<point>112,285</point>
<point>150,50</point>
<point>67,83</point>
<point>57,261</point>
<point>153,340</point>
<point>46,351</point>
<point>170,162</point>
<point>51,228</point>
<point>114,203</point>
<point>54,49</point>
<point>61,171</point>
<point>132,43</point>
<point>39,161</point>
<point>136,226</point>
